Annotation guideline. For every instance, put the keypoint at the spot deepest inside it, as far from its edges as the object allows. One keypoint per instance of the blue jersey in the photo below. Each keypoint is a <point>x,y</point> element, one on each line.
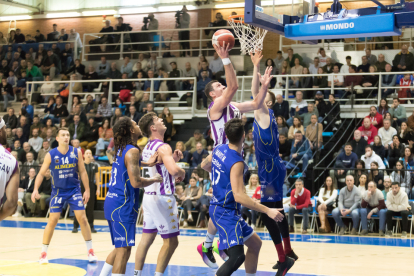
<point>271,169</point>
<point>121,199</point>
<point>222,161</point>
<point>64,169</point>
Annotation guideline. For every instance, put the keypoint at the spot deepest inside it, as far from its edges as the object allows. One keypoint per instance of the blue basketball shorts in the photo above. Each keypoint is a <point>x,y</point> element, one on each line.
<point>233,230</point>
<point>60,196</point>
<point>122,233</point>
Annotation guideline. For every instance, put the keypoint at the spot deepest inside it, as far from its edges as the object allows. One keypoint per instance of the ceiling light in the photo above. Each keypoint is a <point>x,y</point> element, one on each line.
<point>62,14</point>
<point>137,10</point>
<point>15,17</point>
<point>102,12</point>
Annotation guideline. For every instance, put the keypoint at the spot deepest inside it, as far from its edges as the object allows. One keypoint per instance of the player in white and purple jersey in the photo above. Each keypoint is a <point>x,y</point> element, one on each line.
<point>220,111</point>
<point>9,177</point>
<point>160,208</point>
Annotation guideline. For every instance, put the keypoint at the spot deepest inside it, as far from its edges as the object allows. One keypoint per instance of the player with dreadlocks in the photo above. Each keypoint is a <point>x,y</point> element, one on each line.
<point>121,203</point>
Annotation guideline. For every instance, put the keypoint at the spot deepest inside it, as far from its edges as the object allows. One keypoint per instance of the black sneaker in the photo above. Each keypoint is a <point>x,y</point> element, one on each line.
<point>29,215</point>
<point>290,255</point>
<point>75,230</point>
<point>207,255</point>
<point>285,266</point>
<point>93,230</point>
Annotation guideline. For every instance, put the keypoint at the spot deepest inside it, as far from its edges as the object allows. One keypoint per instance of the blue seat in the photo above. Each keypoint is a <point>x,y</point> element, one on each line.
<point>327,134</point>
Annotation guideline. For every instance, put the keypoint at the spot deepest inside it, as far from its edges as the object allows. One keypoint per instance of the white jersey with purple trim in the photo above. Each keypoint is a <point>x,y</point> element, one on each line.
<point>8,166</point>
<point>217,126</point>
<point>166,187</point>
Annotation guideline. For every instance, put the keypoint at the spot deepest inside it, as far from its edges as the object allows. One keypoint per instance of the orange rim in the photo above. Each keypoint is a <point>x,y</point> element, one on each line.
<point>236,18</point>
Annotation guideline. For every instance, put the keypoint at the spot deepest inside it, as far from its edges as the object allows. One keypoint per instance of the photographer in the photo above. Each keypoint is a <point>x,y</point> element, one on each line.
<point>150,23</point>
<point>183,22</point>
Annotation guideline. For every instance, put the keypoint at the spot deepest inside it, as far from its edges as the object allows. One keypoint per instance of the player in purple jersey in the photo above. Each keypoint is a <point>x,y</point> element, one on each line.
<point>9,177</point>
<point>221,110</point>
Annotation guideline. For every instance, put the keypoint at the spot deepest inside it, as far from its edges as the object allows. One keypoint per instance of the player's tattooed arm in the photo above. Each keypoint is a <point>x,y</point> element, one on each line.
<point>133,167</point>
<point>206,163</point>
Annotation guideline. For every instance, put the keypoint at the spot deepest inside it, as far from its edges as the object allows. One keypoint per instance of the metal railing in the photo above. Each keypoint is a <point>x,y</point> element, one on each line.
<point>174,44</point>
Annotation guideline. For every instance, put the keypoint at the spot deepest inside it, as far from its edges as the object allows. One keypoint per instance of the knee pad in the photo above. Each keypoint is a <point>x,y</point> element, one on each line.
<point>236,259</point>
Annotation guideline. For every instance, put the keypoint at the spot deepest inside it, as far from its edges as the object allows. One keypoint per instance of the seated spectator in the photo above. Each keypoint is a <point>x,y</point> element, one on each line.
<point>398,112</point>
<point>29,39</point>
<point>372,203</point>
<point>326,203</point>
<point>405,134</point>
<point>405,81</point>
<point>186,155</point>
<point>91,106</point>
<point>127,67</point>
<point>216,66</point>
<point>359,169</point>
<point>297,126</point>
<point>306,82</point>
<point>92,75</point>
<point>10,119</point>
<point>152,63</point>
<point>364,67</point>
<point>298,103</point>
<point>19,136</point>
<point>63,36</point>
<point>320,81</point>
<point>338,81</point>
<point>105,135</point>
<point>45,191</point>
<point>314,133</point>
<point>25,192</point>
<point>378,148</point>
<point>78,68</point>
<point>117,116</point>
<point>376,175</point>
<point>201,84</point>
<point>407,158</point>
<point>50,137</point>
<point>134,114</point>
<point>362,182</point>
<point>48,88</point>
<point>192,142</point>
<point>144,101</point>
<point>388,80</point>
<point>150,108</point>
<point>284,148</point>
<point>53,36</point>
<point>20,89</point>
<point>128,85</point>
<point>16,57</point>
<point>291,58</point>
<point>320,104</point>
<point>369,80</point>
<point>104,109</point>
<point>24,125</point>
<point>348,204</point>
<point>174,73</point>
<point>91,134</point>
<point>29,164</point>
<point>250,191</point>
<point>281,107</point>
<point>345,161</point>
<point>402,176</point>
<point>383,107</point>
<point>306,117</point>
<point>380,64</point>
<point>50,65</point>
<point>76,145</point>
<point>395,151</point>
<point>372,59</point>
<point>387,186</point>
<point>190,73</point>
<point>282,126</point>
<point>404,60</point>
<point>368,131</point>
<point>278,60</point>
<point>300,151</point>
<point>375,117</point>
<point>103,68</point>
<point>328,67</point>
<point>60,111</point>
<point>297,69</point>
<point>371,156</point>
<point>397,205</point>
<point>114,73</point>
<point>36,142</point>
<point>143,63</point>
<point>204,67</point>
<point>191,195</point>
<point>386,133</point>
<point>33,73</point>
<point>77,128</point>
<point>43,151</point>
<point>313,68</point>
<point>6,92</point>
<point>300,203</point>
<point>198,154</point>
<point>147,84</point>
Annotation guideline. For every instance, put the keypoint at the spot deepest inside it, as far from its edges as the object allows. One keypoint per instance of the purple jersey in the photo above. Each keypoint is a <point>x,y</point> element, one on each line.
<point>217,126</point>
<point>8,166</point>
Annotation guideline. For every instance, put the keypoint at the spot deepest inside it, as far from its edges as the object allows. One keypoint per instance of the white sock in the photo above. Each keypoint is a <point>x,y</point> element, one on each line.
<point>106,270</point>
<point>250,274</point>
<point>209,240</point>
<point>118,274</point>
<point>45,247</point>
<point>157,274</point>
<point>88,245</point>
<point>137,272</point>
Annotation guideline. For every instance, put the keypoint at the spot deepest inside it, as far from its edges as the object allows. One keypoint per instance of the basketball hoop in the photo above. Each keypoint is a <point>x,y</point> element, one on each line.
<point>250,37</point>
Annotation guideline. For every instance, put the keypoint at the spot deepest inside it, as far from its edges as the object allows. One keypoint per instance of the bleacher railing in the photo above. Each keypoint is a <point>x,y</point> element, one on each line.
<point>156,43</point>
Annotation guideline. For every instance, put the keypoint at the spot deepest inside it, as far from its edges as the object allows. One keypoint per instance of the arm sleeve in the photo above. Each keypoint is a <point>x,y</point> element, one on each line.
<point>364,204</point>
<point>320,198</point>
<point>357,201</point>
<point>293,199</point>
<point>332,197</point>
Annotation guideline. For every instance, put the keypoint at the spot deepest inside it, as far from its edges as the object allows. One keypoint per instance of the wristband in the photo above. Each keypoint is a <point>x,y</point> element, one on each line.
<point>226,61</point>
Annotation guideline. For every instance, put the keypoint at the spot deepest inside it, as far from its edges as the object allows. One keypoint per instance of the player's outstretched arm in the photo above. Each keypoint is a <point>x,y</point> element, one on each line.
<point>262,113</point>
<point>237,185</point>
<point>9,207</point>
<point>133,167</point>
<point>84,177</point>
<point>206,163</point>
<point>167,158</point>
<point>256,58</point>
<point>40,176</point>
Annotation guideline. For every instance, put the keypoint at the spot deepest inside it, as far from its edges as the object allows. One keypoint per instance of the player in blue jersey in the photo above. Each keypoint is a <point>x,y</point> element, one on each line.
<point>121,202</point>
<point>227,167</point>
<point>271,169</point>
<point>65,162</point>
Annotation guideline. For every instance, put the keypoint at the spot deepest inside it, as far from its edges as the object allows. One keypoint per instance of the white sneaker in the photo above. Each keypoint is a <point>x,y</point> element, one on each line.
<point>253,226</point>
<point>403,235</point>
<point>91,256</point>
<point>20,202</point>
<point>190,218</point>
<point>185,224</point>
<point>43,258</point>
<point>17,215</point>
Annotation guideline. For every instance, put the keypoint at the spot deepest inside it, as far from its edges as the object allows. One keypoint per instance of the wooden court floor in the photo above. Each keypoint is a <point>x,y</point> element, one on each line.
<point>20,244</point>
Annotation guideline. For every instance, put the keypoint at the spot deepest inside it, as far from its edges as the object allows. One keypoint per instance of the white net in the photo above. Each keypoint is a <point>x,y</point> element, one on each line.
<point>250,37</point>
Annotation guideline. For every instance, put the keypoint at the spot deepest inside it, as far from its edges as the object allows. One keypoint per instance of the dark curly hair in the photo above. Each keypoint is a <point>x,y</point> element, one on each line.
<point>122,135</point>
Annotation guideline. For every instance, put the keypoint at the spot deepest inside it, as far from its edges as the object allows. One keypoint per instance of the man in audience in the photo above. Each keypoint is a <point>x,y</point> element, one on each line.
<point>26,188</point>
<point>388,80</point>
<point>24,125</point>
<point>74,36</point>
<point>368,131</point>
<point>328,67</point>
<point>50,64</point>
<point>77,128</point>
<point>373,203</point>
<point>66,56</point>
<point>36,142</point>
<point>189,72</point>
<point>201,84</point>
<point>198,155</point>
<point>300,151</point>
<point>204,67</point>
<point>28,108</point>
<point>313,132</point>
<point>43,151</point>
<point>345,67</point>
<point>133,114</point>
<point>348,204</point>
<point>144,101</point>
<point>191,144</point>
<point>45,190</point>
<point>358,144</point>
<point>300,203</point>
<point>380,64</point>
<point>297,103</point>
<point>184,23</point>
<point>55,34</point>
<point>404,60</point>
<point>216,66</point>
<point>50,137</point>
<point>39,37</point>
<point>387,186</point>
<point>30,163</point>
<point>114,73</point>
<point>127,66</point>
<point>104,109</point>
<point>135,102</point>
<point>364,67</point>
<point>345,161</point>
<point>372,59</point>
<point>91,106</point>
<point>321,104</point>
<point>370,156</point>
<point>174,85</point>
<point>278,62</point>
<point>60,110</point>
<point>281,107</point>
<point>386,133</point>
<point>91,75</point>
<point>17,147</point>
<point>19,136</point>
<point>291,58</point>
<point>338,81</point>
<point>375,117</point>
<point>147,83</point>
<point>352,80</point>
<point>36,123</point>
<point>398,112</point>
<point>103,68</point>
<point>306,117</point>
<point>284,147</point>
<point>397,205</point>
<point>323,58</point>
<point>313,68</point>
<point>26,149</point>
<point>10,119</point>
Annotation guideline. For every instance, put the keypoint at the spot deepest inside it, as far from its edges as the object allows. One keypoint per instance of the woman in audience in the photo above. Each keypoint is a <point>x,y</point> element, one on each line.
<point>376,175</point>
<point>405,134</point>
<point>270,62</point>
<point>285,71</point>
<point>295,70</point>
<point>76,102</point>
<point>362,183</point>
<point>117,116</point>
<point>383,107</point>
<point>395,151</point>
<point>407,158</point>
<point>369,80</point>
<point>326,203</point>
<point>320,81</point>
<point>359,170</point>
<point>282,126</point>
<point>186,155</point>
<point>402,176</point>
<point>250,189</point>
<point>49,109</point>
<point>3,40</point>
<point>394,123</point>
<point>105,135</point>
<point>12,35</point>
<point>191,195</point>
<point>78,68</point>
<point>168,119</point>
<point>378,148</point>
<point>202,59</point>
<point>306,82</point>
<point>63,123</point>
<point>248,143</point>
<point>120,104</point>
<point>297,125</point>
<point>49,125</point>
<point>139,84</point>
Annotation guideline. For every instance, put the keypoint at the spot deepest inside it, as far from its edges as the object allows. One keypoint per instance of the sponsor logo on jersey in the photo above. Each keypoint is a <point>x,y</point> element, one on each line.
<point>173,227</point>
<point>57,159</point>
<point>162,226</point>
<point>173,220</point>
<point>66,166</point>
<point>270,198</point>
<point>216,163</point>
<point>169,200</point>
<point>232,242</point>
<point>171,214</point>
<point>111,194</point>
<point>224,241</point>
<point>72,155</point>
<point>220,155</point>
<point>120,239</point>
<point>132,241</point>
<point>80,203</point>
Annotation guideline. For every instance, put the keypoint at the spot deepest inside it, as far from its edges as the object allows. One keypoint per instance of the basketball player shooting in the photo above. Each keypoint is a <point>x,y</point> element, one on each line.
<point>64,163</point>
<point>221,110</point>
<point>9,176</point>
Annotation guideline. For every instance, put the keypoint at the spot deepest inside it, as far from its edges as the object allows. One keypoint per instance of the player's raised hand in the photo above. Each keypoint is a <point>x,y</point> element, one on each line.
<point>265,79</point>
<point>86,196</point>
<point>222,50</point>
<point>178,155</point>
<point>256,57</point>
<point>275,214</point>
<point>35,194</point>
<point>153,160</point>
<point>157,178</point>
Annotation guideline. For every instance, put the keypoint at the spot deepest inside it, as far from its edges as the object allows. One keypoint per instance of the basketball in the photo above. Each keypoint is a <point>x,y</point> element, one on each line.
<point>223,36</point>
